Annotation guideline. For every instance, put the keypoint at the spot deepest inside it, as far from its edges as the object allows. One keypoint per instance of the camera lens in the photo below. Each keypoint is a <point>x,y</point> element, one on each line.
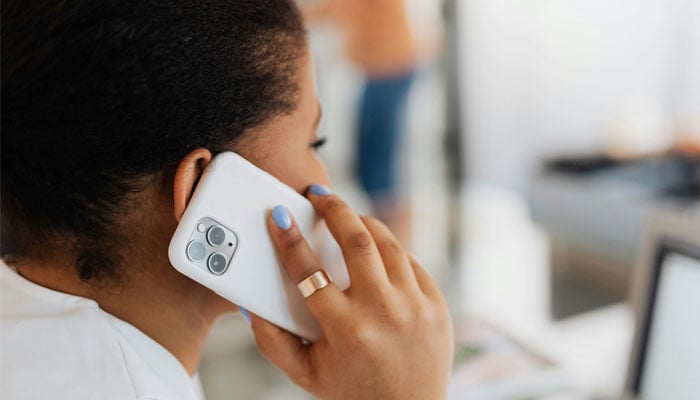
<point>195,251</point>
<point>216,235</point>
<point>217,263</point>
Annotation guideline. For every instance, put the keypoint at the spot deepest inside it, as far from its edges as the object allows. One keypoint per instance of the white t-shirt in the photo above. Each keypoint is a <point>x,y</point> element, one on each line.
<point>58,346</point>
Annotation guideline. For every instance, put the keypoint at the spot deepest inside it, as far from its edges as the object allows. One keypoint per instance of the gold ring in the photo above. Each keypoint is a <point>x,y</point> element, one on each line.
<point>317,280</point>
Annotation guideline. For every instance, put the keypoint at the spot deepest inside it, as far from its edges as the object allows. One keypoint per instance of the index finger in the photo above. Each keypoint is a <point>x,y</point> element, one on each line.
<point>360,252</point>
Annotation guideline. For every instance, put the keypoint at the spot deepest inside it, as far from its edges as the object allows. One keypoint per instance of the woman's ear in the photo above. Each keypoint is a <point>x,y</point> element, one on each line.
<point>186,176</point>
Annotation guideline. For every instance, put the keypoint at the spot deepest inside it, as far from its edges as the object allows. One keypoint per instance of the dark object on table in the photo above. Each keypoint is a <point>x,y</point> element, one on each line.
<point>595,210</point>
<point>673,175</point>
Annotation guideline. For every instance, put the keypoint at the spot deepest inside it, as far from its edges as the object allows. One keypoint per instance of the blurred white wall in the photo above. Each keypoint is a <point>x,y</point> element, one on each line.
<point>544,77</point>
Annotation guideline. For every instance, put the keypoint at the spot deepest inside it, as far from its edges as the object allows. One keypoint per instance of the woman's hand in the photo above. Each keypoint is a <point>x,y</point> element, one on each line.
<point>388,336</point>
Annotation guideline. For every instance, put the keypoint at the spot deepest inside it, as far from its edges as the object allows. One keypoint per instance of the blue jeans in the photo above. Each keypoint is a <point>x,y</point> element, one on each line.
<point>381,117</point>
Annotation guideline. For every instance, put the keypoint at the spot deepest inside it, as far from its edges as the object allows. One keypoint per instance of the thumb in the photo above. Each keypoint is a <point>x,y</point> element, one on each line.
<point>284,350</point>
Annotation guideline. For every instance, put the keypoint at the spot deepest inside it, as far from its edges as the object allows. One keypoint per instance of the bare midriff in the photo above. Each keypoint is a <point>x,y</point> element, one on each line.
<point>379,37</point>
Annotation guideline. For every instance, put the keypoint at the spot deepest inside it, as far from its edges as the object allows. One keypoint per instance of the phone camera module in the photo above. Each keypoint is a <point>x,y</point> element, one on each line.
<point>216,235</point>
<point>217,263</point>
<point>211,246</point>
<point>195,251</point>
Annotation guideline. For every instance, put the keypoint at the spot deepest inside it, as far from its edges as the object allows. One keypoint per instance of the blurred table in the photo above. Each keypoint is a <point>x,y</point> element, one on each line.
<point>595,210</point>
<point>505,280</point>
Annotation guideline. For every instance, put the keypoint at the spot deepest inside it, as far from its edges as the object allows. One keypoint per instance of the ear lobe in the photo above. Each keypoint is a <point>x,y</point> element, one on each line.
<point>186,176</point>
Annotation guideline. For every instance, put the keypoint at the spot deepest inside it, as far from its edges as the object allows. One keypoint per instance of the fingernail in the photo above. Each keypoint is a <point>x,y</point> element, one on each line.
<point>245,314</point>
<point>319,190</point>
<point>281,217</point>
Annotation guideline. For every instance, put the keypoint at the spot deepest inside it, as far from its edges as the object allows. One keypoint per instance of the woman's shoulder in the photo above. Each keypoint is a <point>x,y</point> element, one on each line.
<point>54,345</point>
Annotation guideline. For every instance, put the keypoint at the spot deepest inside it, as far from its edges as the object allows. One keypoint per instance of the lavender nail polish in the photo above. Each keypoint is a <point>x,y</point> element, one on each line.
<point>245,314</point>
<point>319,190</point>
<point>281,217</point>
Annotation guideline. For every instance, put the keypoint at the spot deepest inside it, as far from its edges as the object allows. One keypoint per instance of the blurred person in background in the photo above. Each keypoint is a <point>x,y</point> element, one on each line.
<point>380,41</point>
<point>111,111</point>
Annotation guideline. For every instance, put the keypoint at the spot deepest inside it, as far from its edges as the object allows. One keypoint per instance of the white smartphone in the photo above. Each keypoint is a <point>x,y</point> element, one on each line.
<point>223,243</point>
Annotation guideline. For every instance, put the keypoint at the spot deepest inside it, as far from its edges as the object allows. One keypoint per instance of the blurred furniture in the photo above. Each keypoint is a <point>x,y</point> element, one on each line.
<point>665,359</point>
<point>595,210</point>
<point>505,282</point>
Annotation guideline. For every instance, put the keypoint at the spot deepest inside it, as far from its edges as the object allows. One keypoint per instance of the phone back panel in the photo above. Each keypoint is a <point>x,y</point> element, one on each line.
<point>238,195</point>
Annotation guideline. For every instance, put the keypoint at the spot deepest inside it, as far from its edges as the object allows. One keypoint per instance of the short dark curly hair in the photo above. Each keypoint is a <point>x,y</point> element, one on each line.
<point>100,95</point>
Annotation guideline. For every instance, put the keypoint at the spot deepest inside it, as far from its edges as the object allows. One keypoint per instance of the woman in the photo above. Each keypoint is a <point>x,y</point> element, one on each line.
<point>381,43</point>
<point>111,110</point>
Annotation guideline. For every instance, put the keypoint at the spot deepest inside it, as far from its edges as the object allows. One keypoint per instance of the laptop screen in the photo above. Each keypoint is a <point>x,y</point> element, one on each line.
<point>669,366</point>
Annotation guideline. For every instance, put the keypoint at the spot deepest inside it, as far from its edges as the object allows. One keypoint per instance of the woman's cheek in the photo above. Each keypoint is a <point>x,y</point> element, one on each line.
<point>321,171</point>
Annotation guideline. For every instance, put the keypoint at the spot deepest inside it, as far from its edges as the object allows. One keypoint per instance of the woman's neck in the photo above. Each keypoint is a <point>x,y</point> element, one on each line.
<point>173,310</point>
